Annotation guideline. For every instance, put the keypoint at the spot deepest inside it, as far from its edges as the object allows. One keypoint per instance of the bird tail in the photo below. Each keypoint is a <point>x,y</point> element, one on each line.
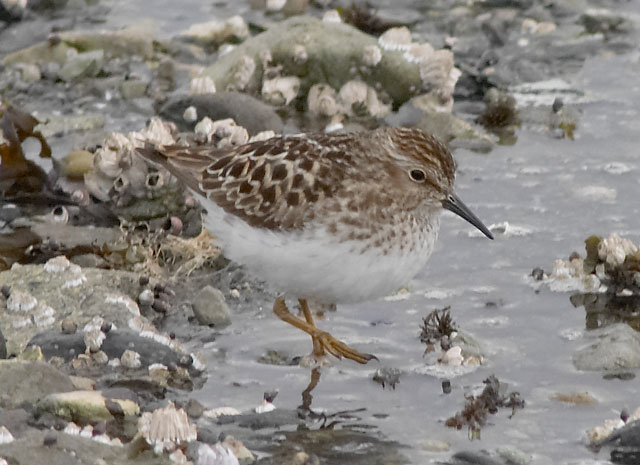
<point>185,163</point>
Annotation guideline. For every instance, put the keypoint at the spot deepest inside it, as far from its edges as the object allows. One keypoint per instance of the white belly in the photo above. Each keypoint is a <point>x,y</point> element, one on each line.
<point>311,264</point>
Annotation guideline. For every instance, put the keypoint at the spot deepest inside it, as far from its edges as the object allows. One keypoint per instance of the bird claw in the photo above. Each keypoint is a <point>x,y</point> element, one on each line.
<point>339,349</point>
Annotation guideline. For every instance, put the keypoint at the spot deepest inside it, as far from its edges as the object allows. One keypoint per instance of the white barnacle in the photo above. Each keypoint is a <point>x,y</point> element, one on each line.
<point>322,100</point>
<point>371,55</point>
<point>216,454</point>
<point>280,90</point>
<point>72,429</point>
<point>396,38</point>
<point>5,435</point>
<point>57,264</point>
<point>165,428</point>
<point>202,85</point>
<point>243,72</point>
<point>357,96</point>
<point>158,133</point>
<point>615,249</point>
<point>20,301</point>
<point>125,301</point>
<point>331,16</point>
<point>299,54</point>
<point>190,114</point>
<point>93,339</point>
<point>75,277</point>
<point>130,359</point>
<point>44,315</point>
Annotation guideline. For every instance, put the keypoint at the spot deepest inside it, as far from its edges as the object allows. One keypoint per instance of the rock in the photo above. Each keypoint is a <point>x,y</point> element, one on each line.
<point>22,381</point>
<point>87,64</point>
<point>335,53</point>
<point>214,32</point>
<point>78,293</point>
<point>614,347</point>
<point>133,88</point>
<point>137,39</point>
<point>116,343</point>
<point>247,111</point>
<point>84,406</point>
<point>59,125</point>
<point>210,308</point>
<point>65,449</point>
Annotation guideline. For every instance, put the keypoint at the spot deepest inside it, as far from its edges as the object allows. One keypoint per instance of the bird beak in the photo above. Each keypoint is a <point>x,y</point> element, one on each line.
<point>455,205</point>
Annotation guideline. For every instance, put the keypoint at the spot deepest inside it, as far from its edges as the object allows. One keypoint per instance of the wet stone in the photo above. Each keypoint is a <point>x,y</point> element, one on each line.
<point>614,347</point>
<point>23,381</point>
<point>210,308</point>
<point>87,64</point>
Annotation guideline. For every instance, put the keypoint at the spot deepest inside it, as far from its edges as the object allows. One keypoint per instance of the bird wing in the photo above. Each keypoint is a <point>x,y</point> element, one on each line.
<point>268,184</point>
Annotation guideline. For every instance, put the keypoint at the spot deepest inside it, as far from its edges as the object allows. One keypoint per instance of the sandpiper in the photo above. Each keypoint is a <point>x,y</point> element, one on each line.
<point>331,217</point>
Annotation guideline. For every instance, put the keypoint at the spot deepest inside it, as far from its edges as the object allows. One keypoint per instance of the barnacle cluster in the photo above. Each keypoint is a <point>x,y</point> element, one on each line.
<point>611,265</point>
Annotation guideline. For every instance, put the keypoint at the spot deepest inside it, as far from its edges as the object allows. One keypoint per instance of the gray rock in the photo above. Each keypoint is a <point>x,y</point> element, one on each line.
<point>247,111</point>
<point>334,53</point>
<point>79,293</point>
<point>133,88</point>
<point>85,406</point>
<point>22,381</point>
<point>87,64</point>
<point>210,308</point>
<point>613,347</point>
<point>70,449</point>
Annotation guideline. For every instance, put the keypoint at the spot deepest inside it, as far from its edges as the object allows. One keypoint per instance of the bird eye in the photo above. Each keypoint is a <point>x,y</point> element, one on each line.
<point>417,175</point>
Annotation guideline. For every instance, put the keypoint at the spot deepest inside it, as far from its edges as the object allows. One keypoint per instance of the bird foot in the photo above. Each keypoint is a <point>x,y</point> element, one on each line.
<point>339,349</point>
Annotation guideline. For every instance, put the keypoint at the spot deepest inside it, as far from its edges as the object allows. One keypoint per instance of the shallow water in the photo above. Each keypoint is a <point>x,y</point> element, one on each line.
<point>540,183</point>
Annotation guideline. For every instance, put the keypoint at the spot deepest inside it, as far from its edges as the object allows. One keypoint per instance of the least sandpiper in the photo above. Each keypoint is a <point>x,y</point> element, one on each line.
<point>331,217</point>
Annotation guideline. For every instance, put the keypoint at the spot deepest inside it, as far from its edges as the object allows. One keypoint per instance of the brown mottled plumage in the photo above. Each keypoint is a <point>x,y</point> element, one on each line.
<point>334,217</point>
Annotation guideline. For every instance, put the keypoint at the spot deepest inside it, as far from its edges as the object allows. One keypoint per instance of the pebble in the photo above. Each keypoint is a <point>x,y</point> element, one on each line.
<point>210,308</point>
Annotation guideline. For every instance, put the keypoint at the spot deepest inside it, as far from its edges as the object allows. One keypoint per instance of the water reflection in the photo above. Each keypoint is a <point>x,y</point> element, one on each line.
<point>606,309</point>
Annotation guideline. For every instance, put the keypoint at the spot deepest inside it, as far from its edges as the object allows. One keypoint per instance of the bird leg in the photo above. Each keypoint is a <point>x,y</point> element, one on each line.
<point>322,341</point>
<point>318,350</point>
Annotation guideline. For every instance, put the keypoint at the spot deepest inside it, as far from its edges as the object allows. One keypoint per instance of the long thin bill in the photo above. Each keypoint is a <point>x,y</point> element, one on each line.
<point>457,206</point>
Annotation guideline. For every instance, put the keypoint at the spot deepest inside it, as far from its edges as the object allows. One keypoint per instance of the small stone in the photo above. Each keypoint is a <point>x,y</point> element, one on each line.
<point>6,291</point>
<point>446,386</point>
<point>194,409</point>
<point>537,274</point>
<point>146,298</point>
<point>210,308</point>
<point>87,64</point>
<point>68,326</point>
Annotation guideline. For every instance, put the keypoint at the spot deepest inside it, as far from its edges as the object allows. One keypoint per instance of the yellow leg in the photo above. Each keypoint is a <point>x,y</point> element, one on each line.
<point>318,350</point>
<point>324,341</point>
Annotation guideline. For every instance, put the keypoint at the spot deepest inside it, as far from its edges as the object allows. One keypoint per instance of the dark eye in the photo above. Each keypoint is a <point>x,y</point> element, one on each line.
<point>417,175</point>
